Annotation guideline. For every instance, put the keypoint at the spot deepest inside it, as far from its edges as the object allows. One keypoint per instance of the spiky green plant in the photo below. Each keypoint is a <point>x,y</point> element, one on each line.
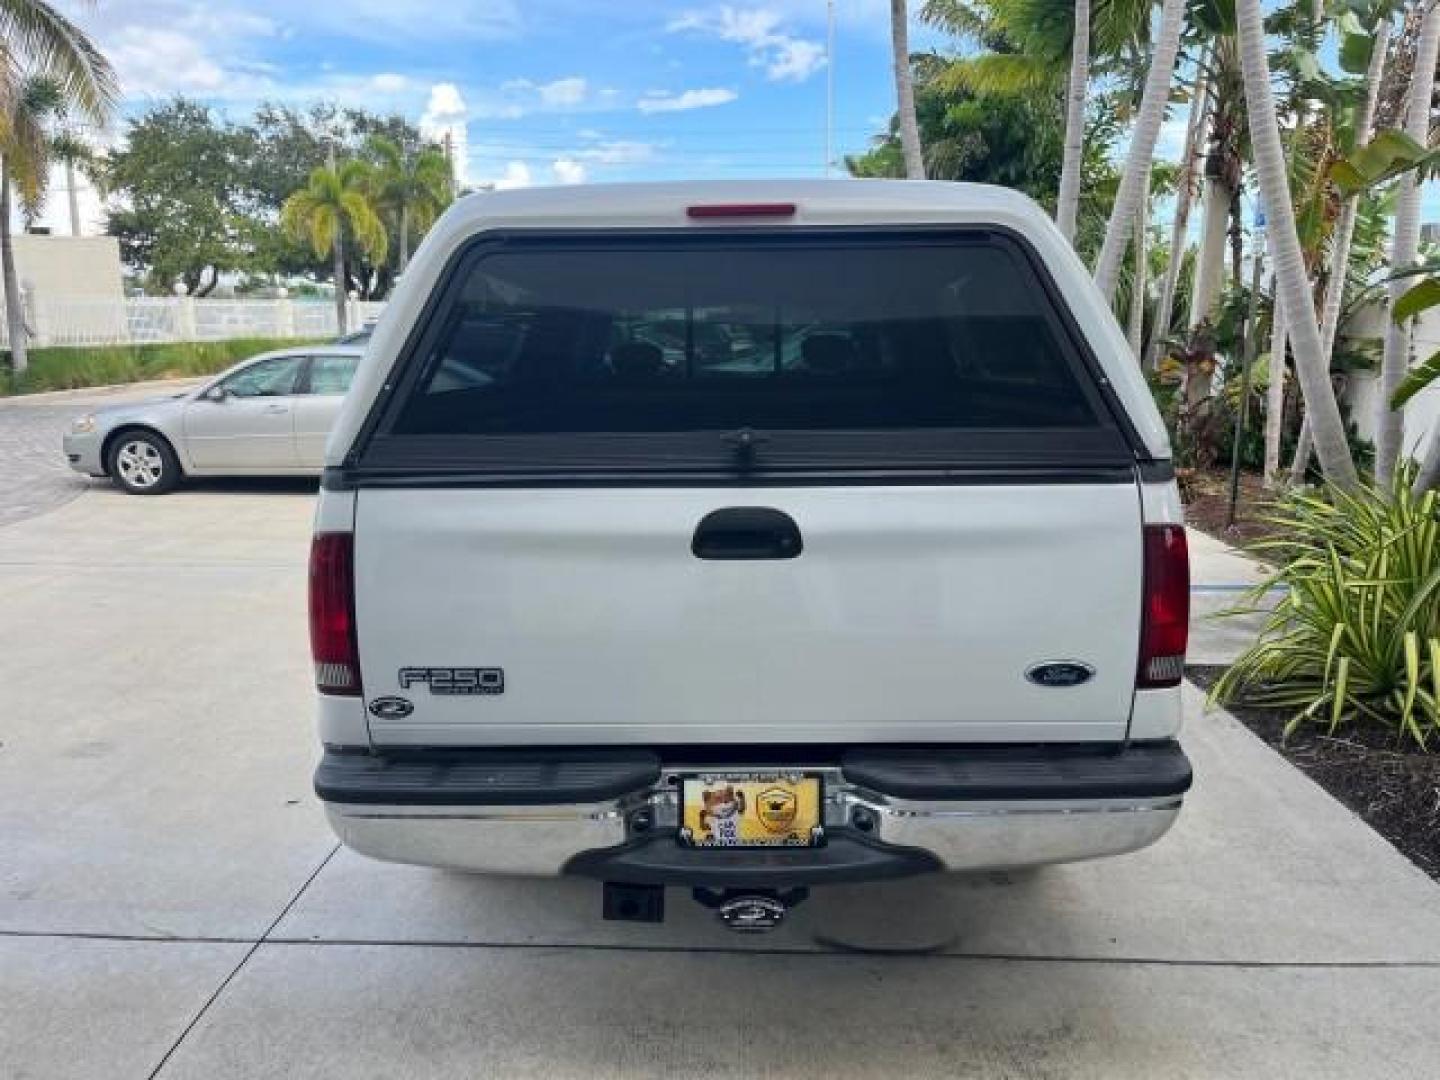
<point>1356,638</point>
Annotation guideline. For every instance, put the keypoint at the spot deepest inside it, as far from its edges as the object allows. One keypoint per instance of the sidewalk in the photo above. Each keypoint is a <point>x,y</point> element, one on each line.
<point>1219,576</point>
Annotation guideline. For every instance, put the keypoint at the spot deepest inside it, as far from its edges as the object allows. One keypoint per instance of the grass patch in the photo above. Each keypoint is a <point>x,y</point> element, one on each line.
<point>72,367</point>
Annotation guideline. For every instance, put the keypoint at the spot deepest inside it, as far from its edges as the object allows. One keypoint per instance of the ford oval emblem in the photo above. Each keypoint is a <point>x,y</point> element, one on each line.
<point>1060,673</point>
<point>391,708</point>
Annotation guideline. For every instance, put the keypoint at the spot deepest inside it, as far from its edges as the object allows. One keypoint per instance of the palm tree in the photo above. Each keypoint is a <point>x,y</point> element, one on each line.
<point>47,65</point>
<point>75,154</point>
<point>1275,393</point>
<point>25,148</point>
<point>1292,281</point>
<point>1403,249</point>
<point>1179,228</point>
<point>414,187</point>
<point>39,41</point>
<point>333,203</point>
<point>1139,283</point>
<point>1345,232</point>
<point>905,91</point>
<point>1222,170</point>
<point>1142,147</point>
<point>1067,205</point>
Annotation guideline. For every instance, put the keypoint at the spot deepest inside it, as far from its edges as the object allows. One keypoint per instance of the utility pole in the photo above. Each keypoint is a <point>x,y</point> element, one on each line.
<point>829,84</point>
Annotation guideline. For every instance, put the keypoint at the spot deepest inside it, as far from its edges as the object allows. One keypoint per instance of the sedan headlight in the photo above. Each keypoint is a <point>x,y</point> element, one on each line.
<point>82,425</point>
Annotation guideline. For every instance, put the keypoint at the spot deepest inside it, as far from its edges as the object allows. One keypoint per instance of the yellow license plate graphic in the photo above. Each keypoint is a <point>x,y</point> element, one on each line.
<point>750,810</point>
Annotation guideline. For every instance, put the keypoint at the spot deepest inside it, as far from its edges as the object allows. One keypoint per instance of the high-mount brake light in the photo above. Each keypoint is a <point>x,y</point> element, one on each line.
<point>724,210</point>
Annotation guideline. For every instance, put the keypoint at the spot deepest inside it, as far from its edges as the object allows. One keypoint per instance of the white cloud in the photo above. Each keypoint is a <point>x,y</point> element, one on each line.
<point>656,101</point>
<point>616,152</point>
<point>444,121</point>
<point>563,92</point>
<point>785,57</point>
<point>388,82</point>
<point>566,93</point>
<point>446,106</point>
<point>568,171</point>
<point>796,60</point>
<point>153,62</point>
<point>516,175</point>
<point>386,22</point>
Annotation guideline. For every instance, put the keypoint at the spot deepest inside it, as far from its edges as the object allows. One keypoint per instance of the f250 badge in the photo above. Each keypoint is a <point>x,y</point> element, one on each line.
<point>455,681</point>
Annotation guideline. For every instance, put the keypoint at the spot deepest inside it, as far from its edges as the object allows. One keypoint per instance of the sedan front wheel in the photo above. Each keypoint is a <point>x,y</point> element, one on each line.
<point>144,464</point>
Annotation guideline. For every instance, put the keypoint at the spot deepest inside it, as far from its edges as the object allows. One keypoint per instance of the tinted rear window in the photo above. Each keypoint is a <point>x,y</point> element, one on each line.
<point>834,350</point>
<point>802,339</point>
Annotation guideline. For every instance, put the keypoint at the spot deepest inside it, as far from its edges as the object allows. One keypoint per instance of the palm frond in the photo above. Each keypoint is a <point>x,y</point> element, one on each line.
<point>40,39</point>
<point>1000,73</point>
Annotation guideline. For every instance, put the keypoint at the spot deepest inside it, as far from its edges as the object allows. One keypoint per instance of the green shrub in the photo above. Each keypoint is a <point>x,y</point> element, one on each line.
<point>66,368</point>
<point>1357,636</point>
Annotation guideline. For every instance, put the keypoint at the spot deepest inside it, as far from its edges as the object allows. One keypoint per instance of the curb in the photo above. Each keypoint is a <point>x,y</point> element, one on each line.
<point>108,388</point>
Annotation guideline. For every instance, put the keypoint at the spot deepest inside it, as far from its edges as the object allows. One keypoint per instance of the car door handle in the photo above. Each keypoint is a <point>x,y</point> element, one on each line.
<point>277,409</point>
<point>747,532</point>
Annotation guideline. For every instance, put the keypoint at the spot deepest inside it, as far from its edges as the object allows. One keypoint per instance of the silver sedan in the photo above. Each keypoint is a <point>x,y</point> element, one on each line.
<point>266,416</point>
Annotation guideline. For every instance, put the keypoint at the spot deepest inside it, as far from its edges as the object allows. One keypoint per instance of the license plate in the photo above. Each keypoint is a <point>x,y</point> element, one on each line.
<point>750,809</point>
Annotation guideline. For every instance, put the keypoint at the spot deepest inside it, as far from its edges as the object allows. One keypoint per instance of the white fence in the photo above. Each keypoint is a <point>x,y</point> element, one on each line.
<point>103,320</point>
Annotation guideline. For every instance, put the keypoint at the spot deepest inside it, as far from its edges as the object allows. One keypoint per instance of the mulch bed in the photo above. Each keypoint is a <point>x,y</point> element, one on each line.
<point>1207,500</point>
<point>1395,790</point>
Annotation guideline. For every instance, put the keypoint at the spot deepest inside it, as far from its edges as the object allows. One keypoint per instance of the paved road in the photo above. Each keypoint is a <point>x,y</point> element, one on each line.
<point>172,904</point>
<point>36,478</point>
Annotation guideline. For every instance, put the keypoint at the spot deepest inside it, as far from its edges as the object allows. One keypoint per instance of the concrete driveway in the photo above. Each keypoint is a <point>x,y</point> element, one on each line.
<point>171,903</point>
<point>36,478</point>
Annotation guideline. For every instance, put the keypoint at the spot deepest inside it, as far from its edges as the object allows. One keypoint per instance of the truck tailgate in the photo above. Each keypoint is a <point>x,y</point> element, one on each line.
<point>912,614</point>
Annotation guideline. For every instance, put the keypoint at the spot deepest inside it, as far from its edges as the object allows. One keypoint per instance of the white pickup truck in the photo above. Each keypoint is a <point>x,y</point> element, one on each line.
<point>748,537</point>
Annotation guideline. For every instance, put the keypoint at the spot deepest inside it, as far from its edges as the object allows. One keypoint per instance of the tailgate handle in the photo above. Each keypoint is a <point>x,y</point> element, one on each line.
<point>747,532</point>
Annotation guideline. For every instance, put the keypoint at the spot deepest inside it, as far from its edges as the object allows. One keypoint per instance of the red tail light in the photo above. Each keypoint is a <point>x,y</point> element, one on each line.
<point>714,210</point>
<point>1165,622</point>
<point>332,614</point>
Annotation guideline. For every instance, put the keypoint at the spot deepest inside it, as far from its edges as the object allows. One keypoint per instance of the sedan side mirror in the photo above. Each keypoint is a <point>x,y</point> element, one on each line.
<point>217,394</point>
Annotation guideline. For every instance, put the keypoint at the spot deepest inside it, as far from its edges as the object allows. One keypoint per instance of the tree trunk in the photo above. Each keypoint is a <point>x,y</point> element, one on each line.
<point>1389,423</point>
<point>404,236</point>
<point>1294,284</point>
<point>1210,261</point>
<point>341,327</point>
<point>1304,448</point>
<point>1429,475</point>
<point>74,197</point>
<point>1142,147</point>
<point>905,91</point>
<point>1139,282</point>
<point>14,301</point>
<point>1275,393</point>
<point>1180,227</point>
<point>1067,205</point>
<point>203,287</point>
<point>1340,244</point>
<point>1237,243</point>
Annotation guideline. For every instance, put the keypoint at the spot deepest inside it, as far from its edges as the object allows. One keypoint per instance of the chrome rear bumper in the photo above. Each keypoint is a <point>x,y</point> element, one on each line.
<point>597,838</point>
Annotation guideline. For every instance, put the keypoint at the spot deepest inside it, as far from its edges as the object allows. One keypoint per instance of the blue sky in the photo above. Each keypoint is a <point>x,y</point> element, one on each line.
<point>544,91</point>
<point>541,92</point>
